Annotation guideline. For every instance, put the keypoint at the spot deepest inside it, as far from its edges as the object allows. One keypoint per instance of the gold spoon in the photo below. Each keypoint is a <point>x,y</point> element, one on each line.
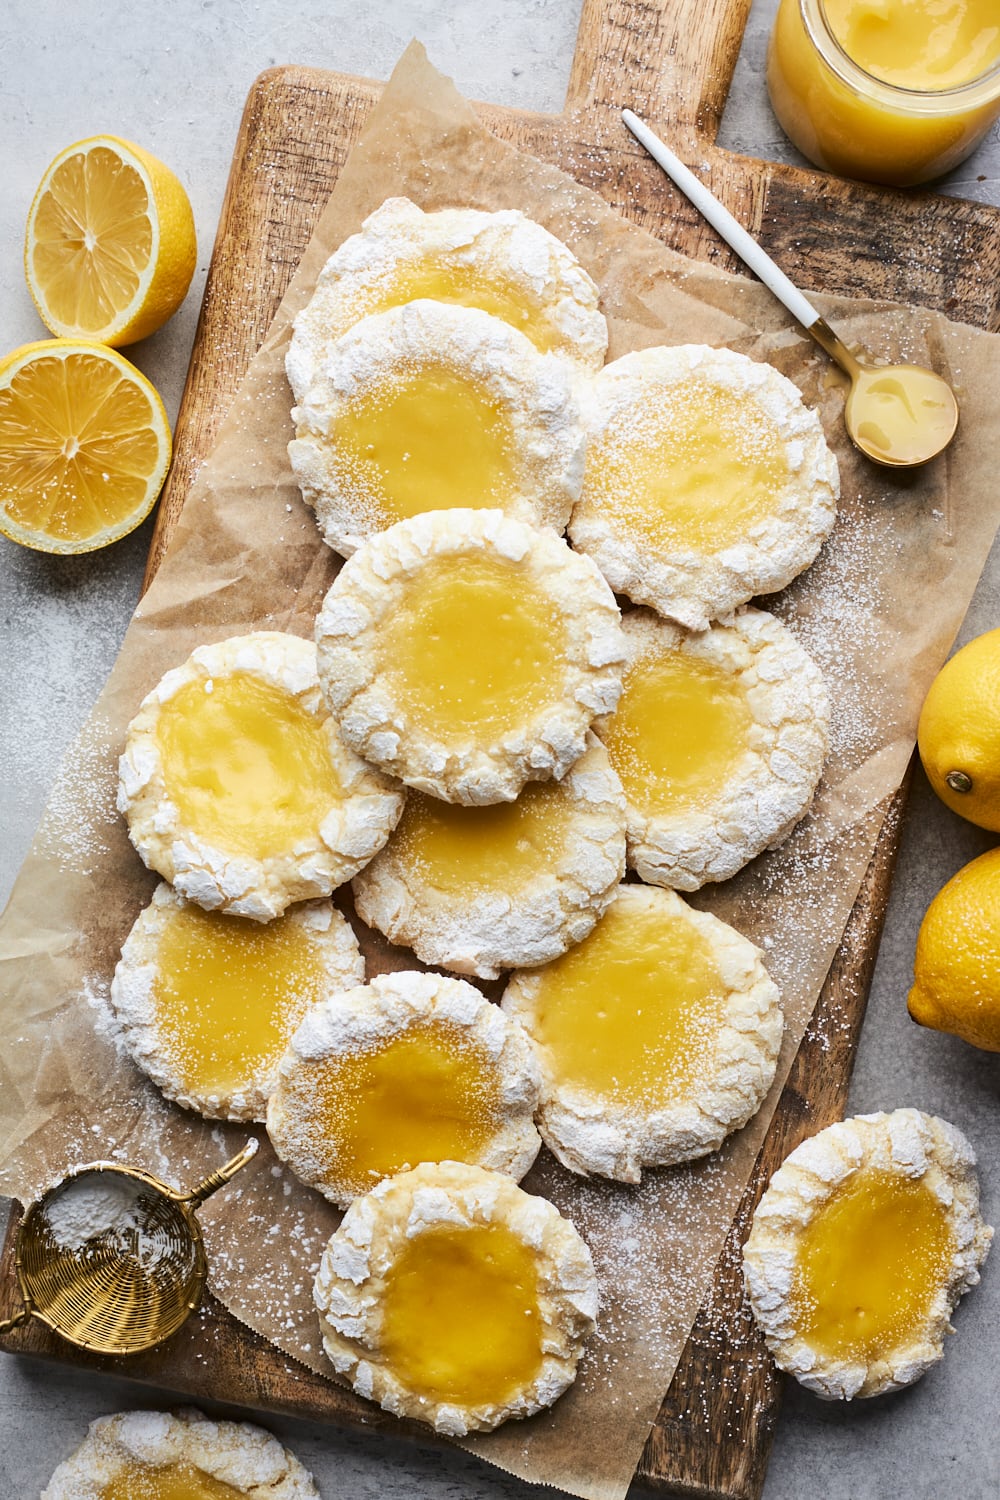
<point>899,415</point>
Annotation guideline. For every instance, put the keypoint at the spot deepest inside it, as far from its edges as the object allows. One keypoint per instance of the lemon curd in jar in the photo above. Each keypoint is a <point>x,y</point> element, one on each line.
<point>173,1481</point>
<point>895,91</point>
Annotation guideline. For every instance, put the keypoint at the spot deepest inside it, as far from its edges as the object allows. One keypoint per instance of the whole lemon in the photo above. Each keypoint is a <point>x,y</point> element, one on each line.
<point>956,969</point>
<point>959,732</point>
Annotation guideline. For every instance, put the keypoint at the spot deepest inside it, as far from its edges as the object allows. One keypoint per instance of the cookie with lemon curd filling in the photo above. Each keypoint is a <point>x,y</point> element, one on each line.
<point>208,1002</point>
<point>450,1295</point>
<point>719,739</point>
<point>181,1455</point>
<point>502,263</point>
<point>467,653</point>
<point>708,481</point>
<point>429,407</point>
<point>866,1238</point>
<point>657,1036</point>
<point>238,787</point>
<point>411,1067</point>
<point>481,889</point>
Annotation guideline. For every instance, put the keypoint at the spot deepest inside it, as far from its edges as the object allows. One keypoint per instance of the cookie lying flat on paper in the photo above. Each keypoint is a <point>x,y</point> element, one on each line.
<point>657,1036</point>
<point>866,1238</point>
<point>708,481</point>
<point>719,739</point>
<point>503,263</point>
<point>237,785</point>
<point>449,1295</point>
<point>208,1002</point>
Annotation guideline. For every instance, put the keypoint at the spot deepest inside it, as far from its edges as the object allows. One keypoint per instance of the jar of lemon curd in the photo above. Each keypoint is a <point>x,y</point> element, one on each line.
<point>894,91</point>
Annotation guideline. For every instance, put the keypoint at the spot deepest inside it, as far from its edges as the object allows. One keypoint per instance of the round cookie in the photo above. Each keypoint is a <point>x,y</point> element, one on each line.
<point>657,1036</point>
<point>708,481</point>
<point>430,407</point>
<point>503,263</point>
<point>238,787</point>
<point>467,653</point>
<point>411,1067</point>
<point>719,739</point>
<point>449,1295</point>
<point>866,1238</point>
<point>482,889</point>
<point>208,1002</point>
<point>145,1455</point>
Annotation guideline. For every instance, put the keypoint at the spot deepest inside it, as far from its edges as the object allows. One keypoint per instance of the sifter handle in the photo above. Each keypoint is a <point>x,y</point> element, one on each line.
<point>221,1177</point>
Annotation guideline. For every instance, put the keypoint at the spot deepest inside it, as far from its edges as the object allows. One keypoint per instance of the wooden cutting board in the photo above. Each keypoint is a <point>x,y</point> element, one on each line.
<point>672,61</point>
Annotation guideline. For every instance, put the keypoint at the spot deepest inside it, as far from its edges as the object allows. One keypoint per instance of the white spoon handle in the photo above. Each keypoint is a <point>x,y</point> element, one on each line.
<point>722,220</point>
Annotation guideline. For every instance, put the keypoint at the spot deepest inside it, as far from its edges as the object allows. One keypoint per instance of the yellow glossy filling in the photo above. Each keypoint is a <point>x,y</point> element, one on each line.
<point>428,1094</point>
<point>678,733</point>
<point>140,1481</point>
<point>918,44</point>
<point>633,1012</point>
<point>467,286</point>
<point>692,466</point>
<point>500,848</point>
<point>229,993</point>
<point>900,415</point>
<point>869,1265</point>
<point>460,1317</point>
<point>430,442</point>
<point>246,765</point>
<point>475,648</point>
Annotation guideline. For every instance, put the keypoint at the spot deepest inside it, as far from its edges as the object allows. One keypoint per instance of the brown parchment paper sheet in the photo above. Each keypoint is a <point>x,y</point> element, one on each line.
<point>879,610</point>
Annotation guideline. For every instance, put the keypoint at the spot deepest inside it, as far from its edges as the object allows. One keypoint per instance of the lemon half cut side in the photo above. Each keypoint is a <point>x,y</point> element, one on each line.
<point>110,244</point>
<point>84,446</point>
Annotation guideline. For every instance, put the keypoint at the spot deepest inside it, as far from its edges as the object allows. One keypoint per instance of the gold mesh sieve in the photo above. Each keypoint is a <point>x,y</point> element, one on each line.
<point>125,1285</point>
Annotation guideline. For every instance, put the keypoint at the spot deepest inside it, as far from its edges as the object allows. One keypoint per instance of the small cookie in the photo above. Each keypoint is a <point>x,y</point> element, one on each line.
<point>449,1295</point>
<point>467,653</point>
<point>719,739</point>
<point>503,263</point>
<point>708,481</point>
<point>208,1002</point>
<point>410,1068</point>
<point>657,1036</point>
<point>866,1238</point>
<point>237,785</point>
<point>431,407</point>
<point>481,889</point>
<point>145,1454</point>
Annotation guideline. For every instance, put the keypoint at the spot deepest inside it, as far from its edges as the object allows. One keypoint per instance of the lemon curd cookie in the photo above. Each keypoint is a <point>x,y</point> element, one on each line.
<point>468,653</point>
<point>719,739</point>
<point>450,1295</point>
<point>208,1002</point>
<point>410,1068</point>
<point>657,1036</point>
<point>502,263</point>
<point>428,407</point>
<point>481,889</point>
<point>708,481</point>
<point>158,1455</point>
<point>237,786</point>
<point>862,1245</point>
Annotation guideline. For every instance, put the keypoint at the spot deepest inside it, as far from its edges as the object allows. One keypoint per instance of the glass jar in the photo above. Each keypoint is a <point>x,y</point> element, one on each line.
<point>848,121</point>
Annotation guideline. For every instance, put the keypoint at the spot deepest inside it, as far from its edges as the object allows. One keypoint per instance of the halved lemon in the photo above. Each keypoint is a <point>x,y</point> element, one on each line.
<point>84,446</point>
<point>110,247</point>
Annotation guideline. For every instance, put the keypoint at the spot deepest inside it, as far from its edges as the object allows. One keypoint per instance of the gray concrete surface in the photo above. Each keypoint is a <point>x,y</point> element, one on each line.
<point>173,77</point>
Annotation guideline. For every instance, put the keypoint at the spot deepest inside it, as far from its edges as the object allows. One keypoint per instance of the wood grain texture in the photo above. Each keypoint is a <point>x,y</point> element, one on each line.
<point>671,60</point>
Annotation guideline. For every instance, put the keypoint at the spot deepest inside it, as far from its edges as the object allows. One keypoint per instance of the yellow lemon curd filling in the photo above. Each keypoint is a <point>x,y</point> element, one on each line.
<point>632,1013</point>
<point>467,286</point>
<point>870,1263</point>
<point>229,993</point>
<point>678,734</point>
<point>246,765</point>
<point>140,1481</point>
<point>499,848</point>
<point>460,1315</point>
<point>427,1094</point>
<point>919,44</point>
<point>474,649</point>
<point>430,441</point>
<point>698,472</point>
